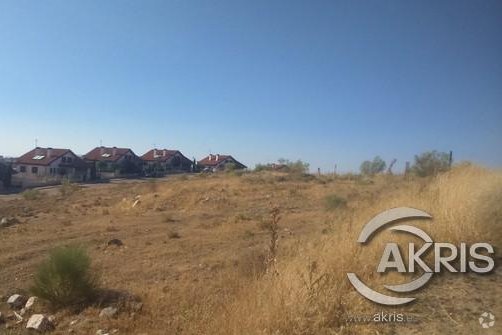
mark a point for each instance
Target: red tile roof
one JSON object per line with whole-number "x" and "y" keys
{"x": 161, "y": 155}
{"x": 107, "y": 154}
{"x": 40, "y": 156}
{"x": 214, "y": 160}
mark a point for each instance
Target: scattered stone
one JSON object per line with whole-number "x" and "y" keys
{"x": 2, "y": 320}
{"x": 116, "y": 242}
{"x": 18, "y": 317}
{"x": 136, "y": 203}
{"x": 52, "y": 319}
{"x": 7, "y": 222}
{"x": 73, "y": 323}
{"x": 29, "y": 304}
{"x": 39, "y": 322}
{"x": 108, "y": 312}
{"x": 101, "y": 332}
{"x": 16, "y": 301}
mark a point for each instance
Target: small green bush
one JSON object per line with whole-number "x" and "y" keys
{"x": 32, "y": 194}
{"x": 65, "y": 278}
{"x": 67, "y": 187}
{"x": 334, "y": 201}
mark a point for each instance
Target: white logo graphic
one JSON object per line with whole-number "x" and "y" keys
{"x": 392, "y": 259}
{"x": 484, "y": 323}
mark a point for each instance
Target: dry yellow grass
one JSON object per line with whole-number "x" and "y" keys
{"x": 311, "y": 294}
{"x": 211, "y": 280}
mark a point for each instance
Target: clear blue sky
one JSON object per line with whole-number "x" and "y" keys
{"x": 325, "y": 81}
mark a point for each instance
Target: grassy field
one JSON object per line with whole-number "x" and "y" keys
{"x": 197, "y": 251}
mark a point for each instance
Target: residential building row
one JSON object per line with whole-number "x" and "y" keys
{"x": 46, "y": 166}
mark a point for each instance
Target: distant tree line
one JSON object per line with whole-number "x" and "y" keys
{"x": 429, "y": 163}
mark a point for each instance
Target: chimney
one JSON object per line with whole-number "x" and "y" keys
{"x": 49, "y": 152}
{"x": 154, "y": 153}
{"x": 114, "y": 152}
{"x": 37, "y": 151}
{"x": 210, "y": 157}
{"x": 101, "y": 150}
{"x": 164, "y": 152}
{"x": 217, "y": 157}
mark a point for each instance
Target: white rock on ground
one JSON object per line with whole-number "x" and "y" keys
{"x": 52, "y": 319}
{"x": 29, "y": 304}
{"x": 101, "y": 332}
{"x": 39, "y": 322}
{"x": 108, "y": 312}
{"x": 16, "y": 301}
{"x": 18, "y": 317}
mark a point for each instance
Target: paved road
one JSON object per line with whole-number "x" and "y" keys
{"x": 53, "y": 188}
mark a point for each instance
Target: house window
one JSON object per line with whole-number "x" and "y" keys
{"x": 66, "y": 159}
{"x": 53, "y": 171}
{"x": 22, "y": 168}
{"x": 34, "y": 169}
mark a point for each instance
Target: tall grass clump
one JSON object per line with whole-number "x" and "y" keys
{"x": 334, "y": 201}
{"x": 67, "y": 187}
{"x": 65, "y": 278}
{"x": 32, "y": 194}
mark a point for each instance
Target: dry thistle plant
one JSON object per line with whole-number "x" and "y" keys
{"x": 273, "y": 229}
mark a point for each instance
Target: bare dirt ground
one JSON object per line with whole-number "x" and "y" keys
{"x": 192, "y": 244}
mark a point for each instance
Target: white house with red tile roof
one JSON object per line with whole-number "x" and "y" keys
{"x": 111, "y": 162}
{"x": 157, "y": 162}
{"x": 47, "y": 166}
{"x": 219, "y": 162}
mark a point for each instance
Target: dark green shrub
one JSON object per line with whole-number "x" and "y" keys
{"x": 334, "y": 201}
{"x": 65, "y": 278}
{"x": 431, "y": 163}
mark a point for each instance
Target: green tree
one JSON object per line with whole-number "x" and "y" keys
{"x": 431, "y": 163}
{"x": 371, "y": 168}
